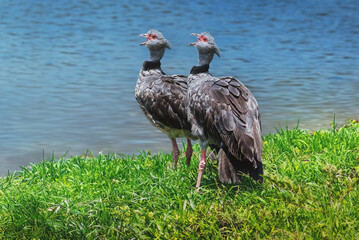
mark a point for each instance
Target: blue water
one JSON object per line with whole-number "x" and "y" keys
{"x": 68, "y": 68}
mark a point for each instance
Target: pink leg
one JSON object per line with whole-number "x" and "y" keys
{"x": 202, "y": 166}
{"x": 189, "y": 151}
{"x": 175, "y": 152}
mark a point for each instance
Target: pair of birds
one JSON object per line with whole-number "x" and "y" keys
{"x": 221, "y": 112}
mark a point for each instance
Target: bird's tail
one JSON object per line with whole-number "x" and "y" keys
{"x": 230, "y": 168}
{"x": 226, "y": 171}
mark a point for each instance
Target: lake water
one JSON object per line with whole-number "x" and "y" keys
{"x": 69, "y": 68}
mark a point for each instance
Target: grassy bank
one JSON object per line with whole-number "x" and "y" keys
{"x": 310, "y": 191}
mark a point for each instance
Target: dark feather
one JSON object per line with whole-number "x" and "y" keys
{"x": 226, "y": 171}
{"x": 228, "y": 121}
{"x": 234, "y": 82}
{"x": 234, "y": 91}
{"x": 224, "y": 109}
{"x": 218, "y": 94}
{"x": 221, "y": 83}
{"x": 161, "y": 98}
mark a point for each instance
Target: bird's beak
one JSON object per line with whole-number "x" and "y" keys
{"x": 194, "y": 43}
{"x": 143, "y": 35}
{"x": 217, "y": 51}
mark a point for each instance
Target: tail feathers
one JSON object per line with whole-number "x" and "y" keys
{"x": 226, "y": 172}
{"x": 230, "y": 168}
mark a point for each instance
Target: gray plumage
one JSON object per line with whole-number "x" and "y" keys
{"x": 161, "y": 96}
{"x": 223, "y": 112}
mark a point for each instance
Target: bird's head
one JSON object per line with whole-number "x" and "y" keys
{"x": 156, "y": 44}
{"x": 205, "y": 43}
{"x": 155, "y": 39}
{"x": 206, "y": 47}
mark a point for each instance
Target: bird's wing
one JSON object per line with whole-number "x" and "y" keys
{"x": 237, "y": 118}
{"x": 163, "y": 99}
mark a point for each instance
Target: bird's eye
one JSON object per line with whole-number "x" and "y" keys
{"x": 154, "y": 37}
{"x": 205, "y": 39}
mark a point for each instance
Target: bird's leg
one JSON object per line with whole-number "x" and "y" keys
{"x": 175, "y": 153}
{"x": 189, "y": 151}
{"x": 202, "y": 166}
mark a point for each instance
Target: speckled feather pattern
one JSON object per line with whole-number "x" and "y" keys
{"x": 161, "y": 98}
{"x": 223, "y": 110}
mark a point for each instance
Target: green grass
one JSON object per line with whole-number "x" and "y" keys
{"x": 310, "y": 192}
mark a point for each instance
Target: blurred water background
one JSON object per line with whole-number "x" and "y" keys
{"x": 69, "y": 68}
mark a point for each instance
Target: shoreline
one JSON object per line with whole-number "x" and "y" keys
{"x": 310, "y": 190}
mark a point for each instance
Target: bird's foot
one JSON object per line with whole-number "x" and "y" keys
{"x": 201, "y": 167}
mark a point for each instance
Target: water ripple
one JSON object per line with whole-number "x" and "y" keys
{"x": 69, "y": 68}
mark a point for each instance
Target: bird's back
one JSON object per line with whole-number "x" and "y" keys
{"x": 227, "y": 111}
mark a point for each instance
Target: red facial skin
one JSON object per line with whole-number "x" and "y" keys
{"x": 149, "y": 37}
{"x": 152, "y": 36}
{"x": 200, "y": 39}
{"x": 203, "y": 39}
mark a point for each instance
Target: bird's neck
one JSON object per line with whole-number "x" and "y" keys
{"x": 154, "y": 60}
{"x": 199, "y": 69}
{"x": 148, "y": 65}
{"x": 204, "y": 58}
{"x": 156, "y": 54}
